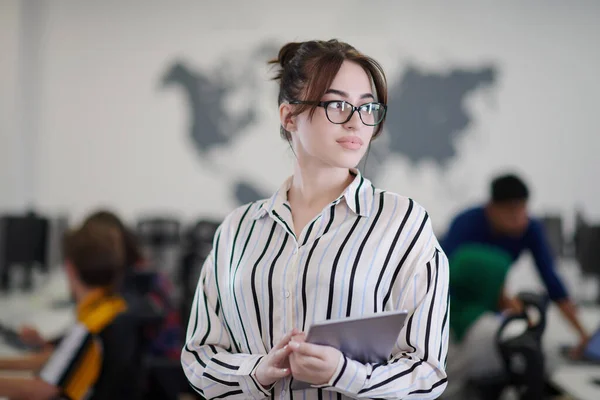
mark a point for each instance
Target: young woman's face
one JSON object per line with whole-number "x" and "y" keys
{"x": 319, "y": 140}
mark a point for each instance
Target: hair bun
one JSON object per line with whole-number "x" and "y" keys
{"x": 287, "y": 53}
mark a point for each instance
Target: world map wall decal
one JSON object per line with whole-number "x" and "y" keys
{"x": 427, "y": 111}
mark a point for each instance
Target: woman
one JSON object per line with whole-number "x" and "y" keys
{"x": 326, "y": 245}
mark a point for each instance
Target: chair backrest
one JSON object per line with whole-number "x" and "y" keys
{"x": 203, "y": 231}
{"x": 140, "y": 306}
{"x": 522, "y": 354}
{"x": 535, "y": 309}
{"x": 158, "y": 231}
{"x": 160, "y": 242}
{"x": 198, "y": 242}
{"x": 140, "y": 283}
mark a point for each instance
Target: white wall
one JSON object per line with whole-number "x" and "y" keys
{"x": 11, "y": 193}
{"x": 108, "y": 134}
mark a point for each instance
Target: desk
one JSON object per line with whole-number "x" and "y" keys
{"x": 14, "y": 374}
{"x": 559, "y": 332}
{"x": 575, "y": 380}
{"x": 578, "y": 381}
{"x": 36, "y": 308}
{"x": 7, "y": 351}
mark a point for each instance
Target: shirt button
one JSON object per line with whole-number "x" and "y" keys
{"x": 287, "y": 294}
{"x": 296, "y": 250}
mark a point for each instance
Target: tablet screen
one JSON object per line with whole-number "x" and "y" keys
{"x": 592, "y": 351}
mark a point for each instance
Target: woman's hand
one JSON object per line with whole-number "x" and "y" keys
{"x": 275, "y": 365}
{"x": 312, "y": 363}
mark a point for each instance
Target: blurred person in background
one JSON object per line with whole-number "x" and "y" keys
{"x": 482, "y": 243}
{"x": 166, "y": 340}
{"x": 95, "y": 359}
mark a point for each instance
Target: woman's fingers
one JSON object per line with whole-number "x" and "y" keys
{"x": 307, "y": 349}
{"x": 281, "y": 355}
{"x": 286, "y": 338}
{"x": 278, "y": 373}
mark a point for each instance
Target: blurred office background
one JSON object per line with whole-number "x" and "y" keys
{"x": 165, "y": 110}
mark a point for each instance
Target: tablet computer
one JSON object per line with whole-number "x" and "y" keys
{"x": 368, "y": 339}
{"x": 592, "y": 350}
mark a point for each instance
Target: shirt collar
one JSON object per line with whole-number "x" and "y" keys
{"x": 358, "y": 197}
{"x": 98, "y": 308}
{"x": 359, "y": 194}
{"x": 90, "y": 301}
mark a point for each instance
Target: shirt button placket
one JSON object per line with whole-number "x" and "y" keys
{"x": 288, "y": 290}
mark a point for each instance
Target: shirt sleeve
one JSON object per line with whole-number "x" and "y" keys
{"x": 459, "y": 233}
{"x": 544, "y": 261}
{"x": 211, "y": 367}
{"x": 417, "y": 368}
{"x": 75, "y": 365}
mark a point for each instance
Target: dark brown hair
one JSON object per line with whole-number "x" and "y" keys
{"x": 133, "y": 254}
{"x": 307, "y": 70}
{"x": 96, "y": 252}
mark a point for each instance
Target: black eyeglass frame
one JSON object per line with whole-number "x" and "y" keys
{"x": 325, "y": 105}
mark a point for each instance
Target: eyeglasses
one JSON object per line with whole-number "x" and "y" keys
{"x": 340, "y": 112}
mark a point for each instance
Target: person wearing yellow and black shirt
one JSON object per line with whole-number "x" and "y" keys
{"x": 95, "y": 359}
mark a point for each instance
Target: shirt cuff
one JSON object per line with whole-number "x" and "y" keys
{"x": 265, "y": 391}
{"x": 349, "y": 376}
{"x": 247, "y": 380}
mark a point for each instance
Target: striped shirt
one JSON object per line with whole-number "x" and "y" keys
{"x": 368, "y": 251}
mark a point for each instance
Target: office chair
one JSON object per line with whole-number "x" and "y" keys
{"x": 143, "y": 316}
{"x": 160, "y": 378}
{"x": 196, "y": 246}
{"x": 522, "y": 355}
{"x": 158, "y": 231}
{"x": 160, "y": 238}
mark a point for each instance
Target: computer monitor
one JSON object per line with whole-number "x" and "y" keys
{"x": 23, "y": 242}
{"x": 587, "y": 249}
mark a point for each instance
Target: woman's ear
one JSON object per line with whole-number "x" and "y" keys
{"x": 288, "y": 120}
